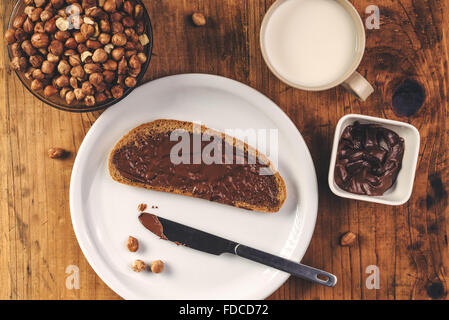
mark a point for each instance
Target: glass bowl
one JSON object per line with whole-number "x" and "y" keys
{"x": 59, "y": 103}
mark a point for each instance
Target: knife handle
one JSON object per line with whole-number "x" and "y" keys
{"x": 296, "y": 269}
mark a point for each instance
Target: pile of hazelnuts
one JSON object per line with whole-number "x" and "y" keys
{"x": 87, "y": 51}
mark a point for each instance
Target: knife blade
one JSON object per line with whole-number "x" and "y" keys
{"x": 203, "y": 241}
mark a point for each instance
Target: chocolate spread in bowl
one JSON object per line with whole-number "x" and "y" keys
{"x": 369, "y": 159}
{"x": 147, "y": 160}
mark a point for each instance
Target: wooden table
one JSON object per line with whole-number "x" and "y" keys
{"x": 408, "y": 243}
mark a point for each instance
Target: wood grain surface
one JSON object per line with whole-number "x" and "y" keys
{"x": 408, "y": 243}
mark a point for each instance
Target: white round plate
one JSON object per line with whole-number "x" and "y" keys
{"x": 104, "y": 212}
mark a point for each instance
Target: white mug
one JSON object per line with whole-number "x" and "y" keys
{"x": 275, "y": 28}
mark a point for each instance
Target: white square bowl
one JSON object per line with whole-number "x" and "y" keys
{"x": 401, "y": 190}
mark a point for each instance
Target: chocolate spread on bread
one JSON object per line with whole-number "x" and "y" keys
{"x": 369, "y": 159}
{"x": 147, "y": 160}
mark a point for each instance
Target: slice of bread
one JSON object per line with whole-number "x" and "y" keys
{"x": 163, "y": 126}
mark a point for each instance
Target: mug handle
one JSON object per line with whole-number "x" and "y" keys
{"x": 358, "y": 86}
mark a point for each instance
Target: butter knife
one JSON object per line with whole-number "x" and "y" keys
{"x": 206, "y": 242}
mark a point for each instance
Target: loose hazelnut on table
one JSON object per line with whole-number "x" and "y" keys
{"x": 157, "y": 266}
{"x": 57, "y": 153}
{"x": 348, "y": 239}
{"x": 138, "y": 266}
{"x": 132, "y": 244}
{"x": 198, "y": 19}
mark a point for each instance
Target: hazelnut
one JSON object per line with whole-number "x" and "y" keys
{"x": 19, "y": 63}
{"x": 28, "y": 26}
{"x": 36, "y": 85}
{"x": 40, "y": 40}
{"x": 134, "y": 72}
{"x": 82, "y": 48}
{"x": 28, "y": 10}
{"x": 62, "y": 81}
{"x": 79, "y": 37}
{"x": 109, "y": 76}
{"x": 10, "y": 36}
{"x": 40, "y": 3}
{"x": 71, "y": 43}
{"x": 46, "y": 15}
{"x": 95, "y": 12}
{"x": 92, "y": 44}
{"x": 100, "y": 97}
{"x": 57, "y": 3}
{"x": 38, "y": 74}
{"x": 348, "y": 239}
{"x": 96, "y": 78}
{"x": 87, "y": 88}
{"x": 138, "y": 265}
{"x": 119, "y": 39}
{"x": 140, "y": 27}
{"x": 118, "y": 53}
{"x": 79, "y": 94}
{"x": 89, "y": 101}
{"x": 128, "y": 7}
{"x": 128, "y": 22}
{"x": 36, "y": 14}
{"x": 78, "y": 72}
{"x": 117, "y": 27}
{"x": 62, "y": 24}
{"x": 16, "y": 50}
{"x": 157, "y": 266}
{"x": 132, "y": 244}
{"x": 90, "y": 68}
{"x": 50, "y": 91}
{"x": 52, "y": 58}
{"x": 48, "y": 67}
{"x": 100, "y": 56}
{"x": 110, "y": 6}
{"x": 62, "y": 35}
{"x": 29, "y": 73}
{"x": 20, "y": 35}
{"x": 57, "y": 153}
{"x": 73, "y": 82}
{"x": 138, "y": 11}
{"x": 105, "y": 26}
{"x": 39, "y": 28}
{"x": 117, "y": 92}
{"x": 199, "y": 19}
{"x": 142, "y": 57}
{"x": 75, "y": 60}
{"x": 19, "y": 20}
{"x": 56, "y": 47}
{"x": 28, "y": 48}
{"x": 63, "y": 92}
{"x": 110, "y": 65}
{"x": 134, "y": 62}
{"x": 104, "y": 38}
{"x": 50, "y": 26}
{"x": 70, "y": 97}
{"x": 64, "y": 67}
{"x": 87, "y": 30}
{"x": 130, "y": 82}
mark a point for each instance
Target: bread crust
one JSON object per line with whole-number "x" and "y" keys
{"x": 168, "y": 125}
